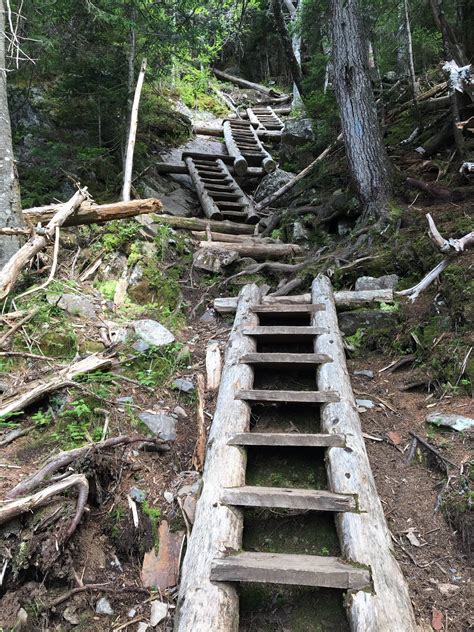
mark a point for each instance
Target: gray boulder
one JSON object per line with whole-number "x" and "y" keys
{"x": 74, "y": 305}
{"x": 183, "y": 385}
{"x": 160, "y": 424}
{"x": 271, "y": 183}
{"x": 152, "y": 332}
{"x": 297, "y": 132}
{"x": 350, "y": 322}
{"x": 386, "y": 282}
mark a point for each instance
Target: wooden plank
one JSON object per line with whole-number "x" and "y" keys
{"x": 280, "y": 330}
{"x": 199, "y": 223}
{"x": 287, "y": 309}
{"x": 299, "y": 570}
{"x": 286, "y": 498}
{"x": 306, "y": 397}
{"x": 285, "y": 358}
{"x": 289, "y": 439}
{"x": 364, "y": 536}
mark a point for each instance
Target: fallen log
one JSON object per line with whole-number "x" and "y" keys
{"x": 431, "y": 188}
{"x": 196, "y": 223}
{"x": 36, "y": 389}
{"x": 344, "y": 298}
{"x": 215, "y": 236}
{"x": 243, "y": 83}
{"x": 270, "y": 199}
{"x": 13, "y": 267}
{"x": 364, "y": 535}
{"x": 88, "y": 213}
{"x": 255, "y": 249}
{"x": 14, "y": 508}
{"x": 202, "y": 604}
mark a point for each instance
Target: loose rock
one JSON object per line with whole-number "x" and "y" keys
{"x": 159, "y": 611}
{"x": 152, "y": 332}
{"x": 180, "y": 412}
{"x": 137, "y": 495}
{"x": 103, "y": 606}
{"x": 387, "y": 282}
{"x": 74, "y": 305}
{"x": 364, "y": 373}
{"x": 183, "y": 385}
{"x": 160, "y": 424}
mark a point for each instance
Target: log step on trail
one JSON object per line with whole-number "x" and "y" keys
{"x": 284, "y": 498}
{"x": 260, "y": 437}
{"x": 294, "y": 439}
{"x": 299, "y": 570}
{"x": 215, "y": 187}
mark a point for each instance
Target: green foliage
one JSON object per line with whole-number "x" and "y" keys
{"x": 356, "y": 340}
{"x": 156, "y": 366}
{"x": 120, "y": 234}
{"x": 42, "y": 419}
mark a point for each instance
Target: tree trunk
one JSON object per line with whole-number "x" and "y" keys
{"x": 366, "y": 155}
{"x": 287, "y": 44}
{"x": 10, "y": 207}
{"x": 127, "y": 178}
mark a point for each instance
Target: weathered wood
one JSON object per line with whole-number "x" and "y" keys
{"x": 195, "y": 223}
{"x": 132, "y": 133}
{"x": 299, "y": 570}
{"x": 344, "y": 298}
{"x": 287, "y": 309}
{"x": 285, "y": 358}
{"x": 232, "y": 239}
{"x": 88, "y": 213}
{"x": 34, "y": 390}
{"x": 364, "y": 536}
{"x": 284, "y": 498}
{"x": 12, "y": 269}
{"x": 243, "y": 83}
{"x": 203, "y": 605}
{"x": 255, "y": 249}
{"x": 240, "y": 163}
{"x": 293, "y": 439}
{"x": 248, "y": 206}
{"x": 306, "y": 397}
{"x": 209, "y": 206}
{"x": 213, "y": 366}
{"x": 284, "y": 330}
{"x": 253, "y": 118}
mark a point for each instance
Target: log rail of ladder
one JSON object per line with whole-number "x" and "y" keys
{"x": 377, "y": 594}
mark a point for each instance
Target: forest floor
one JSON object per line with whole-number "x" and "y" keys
{"x": 61, "y": 588}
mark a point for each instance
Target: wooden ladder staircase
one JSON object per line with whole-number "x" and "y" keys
{"x": 220, "y": 195}
{"x": 377, "y": 593}
{"x": 243, "y": 144}
{"x": 265, "y": 118}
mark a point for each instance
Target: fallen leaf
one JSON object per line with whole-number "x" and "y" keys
{"x": 437, "y": 619}
{"x": 394, "y": 437}
{"x": 161, "y": 571}
{"x": 412, "y": 539}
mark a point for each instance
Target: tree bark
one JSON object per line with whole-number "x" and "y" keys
{"x": 366, "y": 154}
{"x": 10, "y": 207}
{"x": 287, "y": 44}
{"x": 127, "y": 178}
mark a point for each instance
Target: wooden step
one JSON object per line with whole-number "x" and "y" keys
{"x": 237, "y": 214}
{"x": 310, "y": 308}
{"x": 223, "y": 195}
{"x": 283, "y": 330}
{"x": 285, "y": 358}
{"x": 305, "y": 397}
{"x": 285, "y": 498}
{"x": 290, "y": 439}
{"x": 226, "y": 205}
{"x": 296, "y": 570}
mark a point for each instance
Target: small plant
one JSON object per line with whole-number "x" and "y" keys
{"x": 356, "y": 340}
{"x": 42, "y": 419}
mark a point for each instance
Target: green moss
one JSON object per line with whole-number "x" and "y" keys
{"x": 106, "y": 288}
{"x": 267, "y": 607}
{"x": 286, "y": 467}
